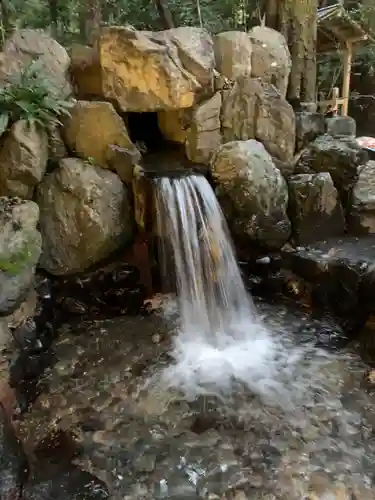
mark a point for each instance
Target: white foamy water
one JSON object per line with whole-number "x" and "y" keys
{"x": 221, "y": 340}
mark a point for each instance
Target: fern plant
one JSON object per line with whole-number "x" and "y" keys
{"x": 31, "y": 97}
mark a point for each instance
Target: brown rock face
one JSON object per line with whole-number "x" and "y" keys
{"x": 85, "y": 215}
{"x": 203, "y": 137}
{"x": 23, "y": 160}
{"x": 92, "y": 128}
{"x": 166, "y": 70}
{"x": 86, "y": 72}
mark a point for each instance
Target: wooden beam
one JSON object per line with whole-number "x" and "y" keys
{"x": 346, "y": 77}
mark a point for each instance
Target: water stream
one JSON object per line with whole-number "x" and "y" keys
{"x": 221, "y": 398}
{"x": 222, "y": 345}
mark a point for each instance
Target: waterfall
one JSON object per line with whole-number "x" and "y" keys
{"x": 220, "y": 339}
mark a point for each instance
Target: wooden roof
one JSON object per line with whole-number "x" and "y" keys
{"x": 335, "y": 26}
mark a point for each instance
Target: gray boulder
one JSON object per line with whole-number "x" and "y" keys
{"x": 254, "y": 109}
{"x": 361, "y": 219}
{"x": 23, "y": 160}
{"x": 253, "y": 192}
{"x": 341, "y": 158}
{"x": 308, "y": 127}
{"x": 314, "y": 208}
{"x": 84, "y": 216}
{"x": 20, "y": 248}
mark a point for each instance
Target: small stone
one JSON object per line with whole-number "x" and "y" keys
{"x": 145, "y": 462}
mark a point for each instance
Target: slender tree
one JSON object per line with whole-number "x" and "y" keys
{"x": 91, "y": 12}
{"x": 165, "y": 14}
{"x": 54, "y": 15}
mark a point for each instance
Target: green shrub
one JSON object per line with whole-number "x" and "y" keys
{"x": 32, "y": 97}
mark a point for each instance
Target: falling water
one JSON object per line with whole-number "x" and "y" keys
{"x": 257, "y": 375}
{"x": 221, "y": 340}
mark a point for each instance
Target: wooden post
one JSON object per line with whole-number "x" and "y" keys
{"x": 346, "y": 77}
{"x": 335, "y": 97}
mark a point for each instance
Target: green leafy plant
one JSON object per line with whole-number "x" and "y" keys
{"x": 32, "y": 97}
{"x": 18, "y": 261}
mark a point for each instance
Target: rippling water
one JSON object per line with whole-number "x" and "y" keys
{"x": 216, "y": 398}
{"x": 151, "y": 441}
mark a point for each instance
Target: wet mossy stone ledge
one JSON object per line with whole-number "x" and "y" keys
{"x": 20, "y": 249}
{"x": 341, "y": 272}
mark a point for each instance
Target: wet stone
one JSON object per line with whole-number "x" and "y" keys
{"x": 314, "y": 208}
{"x": 13, "y": 462}
{"x": 113, "y": 290}
{"x": 70, "y": 484}
{"x": 340, "y": 272}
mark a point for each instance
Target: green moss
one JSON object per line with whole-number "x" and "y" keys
{"x": 18, "y": 261}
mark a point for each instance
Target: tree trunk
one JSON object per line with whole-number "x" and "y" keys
{"x": 296, "y": 20}
{"x": 54, "y": 17}
{"x": 271, "y": 13}
{"x": 91, "y": 19}
{"x": 6, "y": 25}
{"x": 165, "y": 14}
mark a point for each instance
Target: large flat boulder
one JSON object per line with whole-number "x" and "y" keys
{"x": 84, "y": 216}
{"x": 154, "y": 71}
{"x": 341, "y": 272}
{"x": 253, "y": 192}
{"x": 253, "y": 109}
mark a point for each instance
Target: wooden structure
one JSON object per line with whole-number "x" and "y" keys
{"x": 337, "y": 31}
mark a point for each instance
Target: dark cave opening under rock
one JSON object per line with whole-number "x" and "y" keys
{"x": 145, "y": 133}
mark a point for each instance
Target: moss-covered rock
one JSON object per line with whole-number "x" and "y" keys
{"x": 20, "y": 248}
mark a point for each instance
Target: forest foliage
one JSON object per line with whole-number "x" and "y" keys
{"x": 69, "y": 21}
